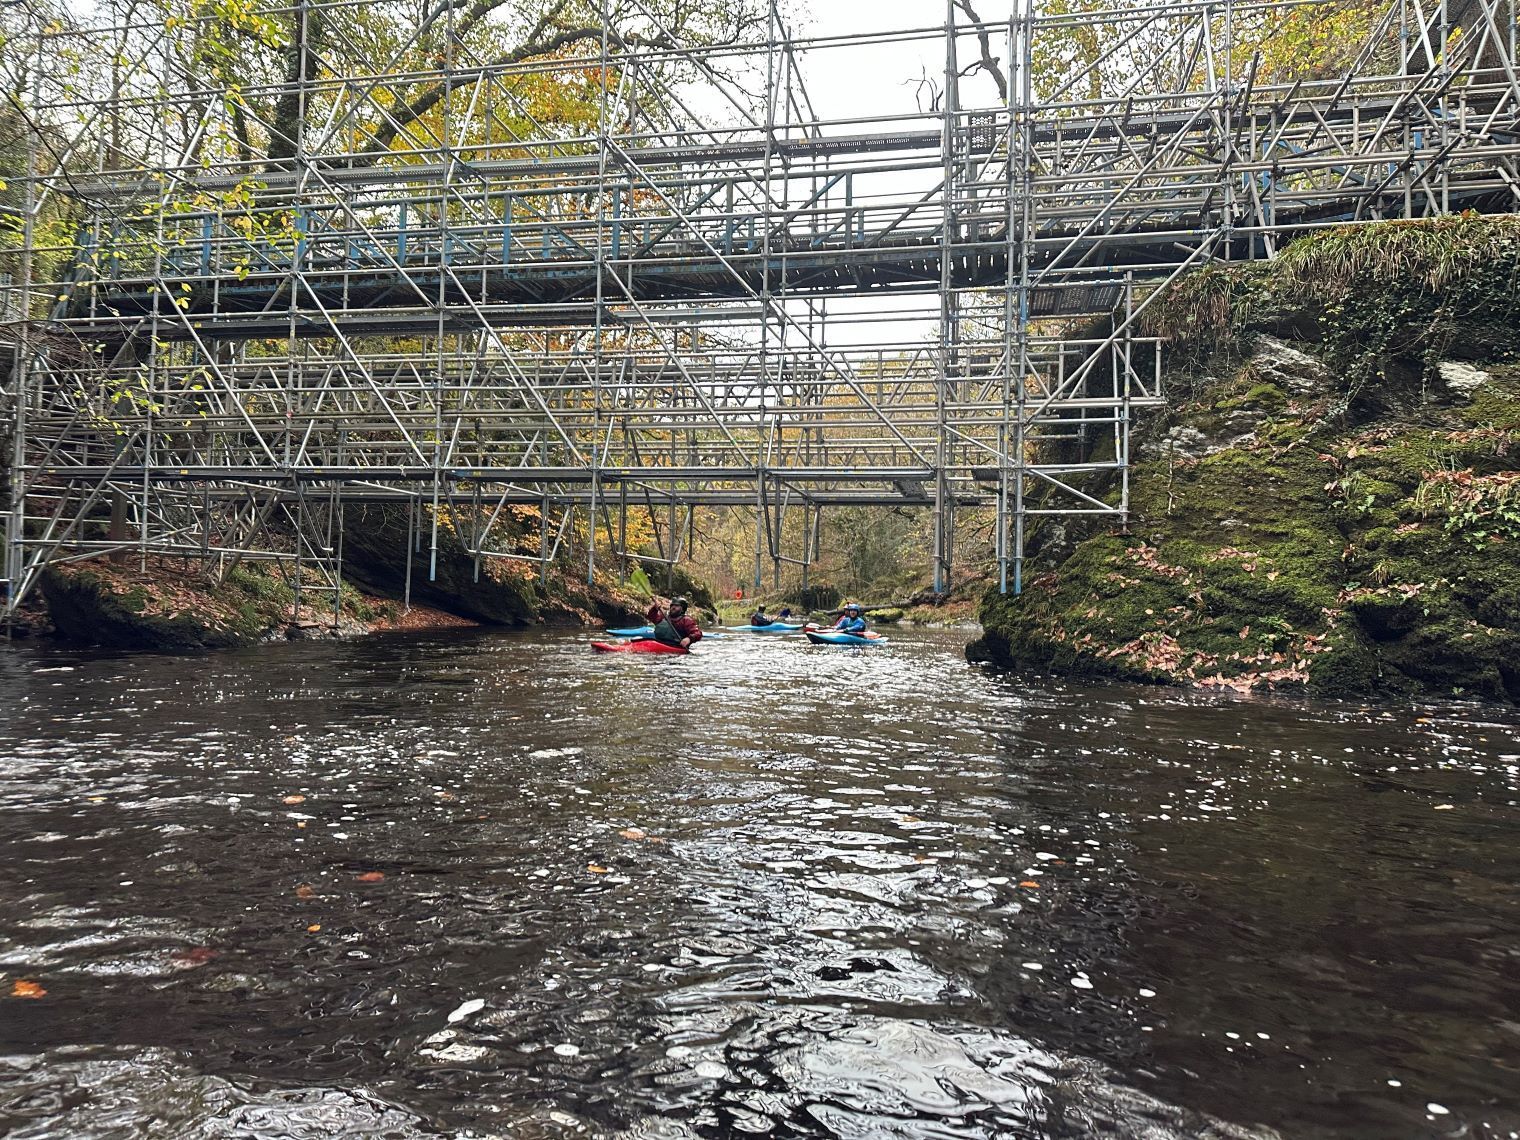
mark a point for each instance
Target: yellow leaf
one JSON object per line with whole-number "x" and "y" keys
{"x": 596, "y": 869}
{"x": 25, "y": 989}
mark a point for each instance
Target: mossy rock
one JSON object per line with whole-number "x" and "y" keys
{"x": 84, "y": 606}
{"x": 500, "y": 592}
{"x": 1343, "y": 547}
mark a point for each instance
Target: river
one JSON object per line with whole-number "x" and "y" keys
{"x": 493, "y": 885}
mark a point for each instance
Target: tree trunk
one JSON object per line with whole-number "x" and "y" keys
{"x": 288, "y": 122}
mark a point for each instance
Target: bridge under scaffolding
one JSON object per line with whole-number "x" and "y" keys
{"x": 365, "y": 272}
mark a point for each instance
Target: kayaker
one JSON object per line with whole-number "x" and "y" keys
{"x": 759, "y": 617}
{"x": 851, "y": 621}
{"x": 672, "y": 626}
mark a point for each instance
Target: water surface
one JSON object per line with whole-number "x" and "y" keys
{"x": 767, "y": 890}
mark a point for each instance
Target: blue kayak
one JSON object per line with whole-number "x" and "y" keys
{"x": 828, "y": 637}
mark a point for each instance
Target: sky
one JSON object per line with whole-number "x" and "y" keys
{"x": 883, "y": 80}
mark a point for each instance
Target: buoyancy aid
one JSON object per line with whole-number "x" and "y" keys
{"x": 666, "y": 633}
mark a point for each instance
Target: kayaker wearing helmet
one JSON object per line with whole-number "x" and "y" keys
{"x": 673, "y": 627}
{"x": 851, "y": 621}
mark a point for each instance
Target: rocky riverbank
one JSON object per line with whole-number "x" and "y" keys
{"x": 171, "y": 605}
{"x": 1332, "y": 503}
{"x": 185, "y": 604}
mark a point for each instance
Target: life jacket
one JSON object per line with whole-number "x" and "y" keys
{"x": 666, "y": 633}
{"x": 761, "y": 619}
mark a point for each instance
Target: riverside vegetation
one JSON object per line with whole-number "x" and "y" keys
{"x": 1331, "y": 502}
{"x": 175, "y": 604}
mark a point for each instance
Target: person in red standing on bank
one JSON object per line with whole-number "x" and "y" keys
{"x": 672, "y": 626}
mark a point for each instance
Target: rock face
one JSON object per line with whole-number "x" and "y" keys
{"x": 171, "y": 606}
{"x": 504, "y": 592}
{"x": 1462, "y": 379}
{"x": 1340, "y": 515}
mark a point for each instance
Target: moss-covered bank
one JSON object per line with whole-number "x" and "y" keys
{"x": 1333, "y": 502}
{"x": 174, "y": 604}
{"x": 497, "y": 591}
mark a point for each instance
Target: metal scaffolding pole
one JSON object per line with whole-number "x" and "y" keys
{"x": 389, "y": 281}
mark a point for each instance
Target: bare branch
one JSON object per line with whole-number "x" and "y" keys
{"x": 539, "y": 43}
{"x": 989, "y": 62}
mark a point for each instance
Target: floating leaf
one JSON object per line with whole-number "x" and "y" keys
{"x": 1031, "y": 884}
{"x": 371, "y": 877}
{"x": 474, "y": 1005}
{"x": 634, "y": 833}
{"x": 297, "y": 798}
{"x": 596, "y": 869}
{"x": 22, "y": 988}
{"x": 313, "y": 928}
{"x": 306, "y": 892}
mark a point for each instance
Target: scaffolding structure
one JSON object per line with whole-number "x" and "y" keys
{"x": 367, "y": 280}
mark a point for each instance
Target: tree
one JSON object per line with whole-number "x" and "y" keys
{"x": 1093, "y": 50}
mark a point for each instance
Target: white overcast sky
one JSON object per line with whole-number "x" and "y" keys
{"x": 881, "y": 80}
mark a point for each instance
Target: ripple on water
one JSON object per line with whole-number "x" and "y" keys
{"x": 527, "y": 891}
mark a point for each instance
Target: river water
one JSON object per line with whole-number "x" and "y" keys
{"x": 766, "y": 890}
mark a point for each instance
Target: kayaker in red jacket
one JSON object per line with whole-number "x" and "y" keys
{"x": 674, "y": 627}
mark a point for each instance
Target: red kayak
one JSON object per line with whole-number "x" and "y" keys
{"x": 636, "y": 647}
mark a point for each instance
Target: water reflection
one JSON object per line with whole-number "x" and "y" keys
{"x": 494, "y": 885}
